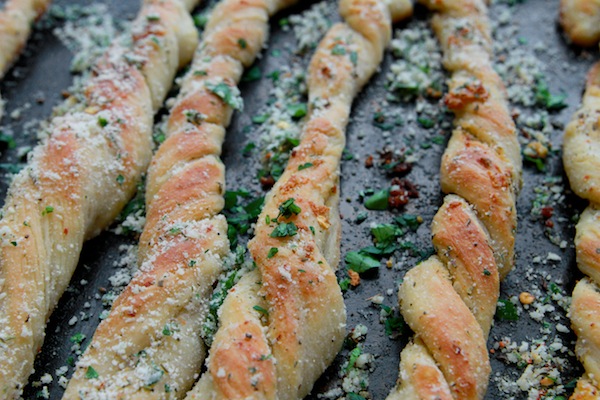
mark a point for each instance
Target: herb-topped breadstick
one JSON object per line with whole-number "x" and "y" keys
{"x": 283, "y": 323}
{"x": 80, "y": 178}
{"x": 450, "y": 299}
{"x": 150, "y": 345}
{"x": 581, "y": 157}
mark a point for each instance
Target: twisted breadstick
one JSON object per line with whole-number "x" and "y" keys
{"x": 16, "y": 19}
{"x": 449, "y": 300}
{"x": 581, "y": 158}
{"x": 283, "y": 323}
{"x": 79, "y": 179}
{"x": 150, "y": 344}
{"x": 581, "y": 21}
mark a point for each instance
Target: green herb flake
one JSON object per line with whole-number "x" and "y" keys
{"x": 91, "y": 373}
{"x": 272, "y": 252}
{"x": 354, "y": 57}
{"x": 304, "y": 166}
{"x": 102, "y": 121}
{"x": 77, "y": 338}
{"x": 544, "y": 98}
{"x": 506, "y": 311}
{"x": 242, "y": 43}
{"x": 289, "y": 207}
{"x": 345, "y": 284}
{"x": 338, "y": 50}
{"x": 9, "y": 140}
{"x": 297, "y": 110}
{"x": 353, "y": 356}
{"x": 253, "y": 74}
{"x": 361, "y": 262}
{"x": 200, "y": 20}
{"x": 120, "y": 179}
{"x": 226, "y": 93}
{"x": 312, "y": 229}
{"x": 378, "y": 201}
{"x": 248, "y": 149}
{"x": 425, "y": 122}
{"x": 153, "y": 17}
{"x": 259, "y": 119}
{"x": 285, "y": 230}
{"x": 261, "y": 310}
{"x": 48, "y": 210}
{"x": 200, "y": 73}
{"x": 486, "y": 272}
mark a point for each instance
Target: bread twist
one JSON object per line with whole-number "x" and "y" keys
{"x": 581, "y": 158}
{"x": 155, "y": 323}
{"x": 16, "y": 20}
{"x": 283, "y": 323}
{"x": 79, "y": 179}
{"x": 581, "y": 21}
{"x": 449, "y": 300}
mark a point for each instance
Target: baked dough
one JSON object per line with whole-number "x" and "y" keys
{"x": 185, "y": 192}
{"x": 450, "y": 299}
{"x": 16, "y": 20}
{"x": 581, "y": 158}
{"x": 150, "y": 347}
{"x": 581, "y": 21}
{"x": 78, "y": 180}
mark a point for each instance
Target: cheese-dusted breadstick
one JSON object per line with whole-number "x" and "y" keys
{"x": 150, "y": 345}
{"x": 581, "y": 21}
{"x": 450, "y": 299}
{"x": 581, "y": 158}
{"x": 16, "y": 19}
{"x": 78, "y": 180}
{"x": 283, "y": 323}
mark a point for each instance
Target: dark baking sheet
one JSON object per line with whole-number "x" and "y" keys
{"x": 43, "y": 72}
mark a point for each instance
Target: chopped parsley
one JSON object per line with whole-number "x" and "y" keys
{"x": 253, "y": 74}
{"x": 272, "y": 252}
{"x": 228, "y": 94}
{"x": 297, "y": 110}
{"x": 506, "y": 311}
{"x": 338, "y": 50}
{"x": 261, "y": 310}
{"x": 361, "y": 262}
{"x": 304, "y": 166}
{"x": 91, "y": 373}
{"x": 102, "y": 121}
{"x": 284, "y": 229}
{"x": 544, "y": 98}
{"x": 288, "y": 208}
{"x": 242, "y": 43}
{"x": 378, "y": 201}
{"x": 48, "y": 210}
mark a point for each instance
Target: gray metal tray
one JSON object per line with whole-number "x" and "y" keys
{"x": 44, "y": 69}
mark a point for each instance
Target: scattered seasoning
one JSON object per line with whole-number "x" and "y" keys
{"x": 252, "y": 74}
{"x": 507, "y": 311}
{"x": 102, "y": 121}
{"x": 242, "y": 43}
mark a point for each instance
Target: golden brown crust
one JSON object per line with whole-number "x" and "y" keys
{"x": 449, "y": 300}
{"x": 581, "y": 21}
{"x": 76, "y": 183}
{"x": 184, "y": 243}
{"x": 16, "y": 19}
{"x": 581, "y": 158}
{"x": 305, "y": 323}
